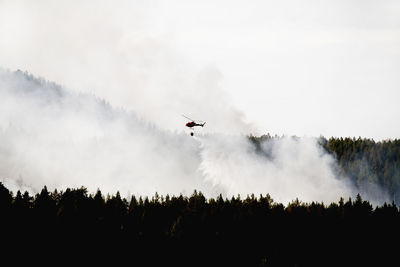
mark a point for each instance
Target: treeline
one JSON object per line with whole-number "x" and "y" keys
{"x": 182, "y": 230}
{"x": 365, "y": 162}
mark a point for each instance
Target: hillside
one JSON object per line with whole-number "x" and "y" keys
{"x": 79, "y": 173}
{"x": 55, "y": 137}
{"x": 367, "y": 163}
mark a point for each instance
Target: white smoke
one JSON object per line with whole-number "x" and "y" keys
{"x": 60, "y": 139}
{"x": 124, "y": 53}
{"x": 51, "y": 136}
{"x": 287, "y": 168}
{"x": 162, "y": 58}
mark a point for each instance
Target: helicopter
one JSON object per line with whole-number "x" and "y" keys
{"x": 193, "y": 123}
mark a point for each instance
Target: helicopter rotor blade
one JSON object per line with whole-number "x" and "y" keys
{"x": 187, "y": 117}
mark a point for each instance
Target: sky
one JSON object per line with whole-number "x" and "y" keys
{"x": 305, "y": 68}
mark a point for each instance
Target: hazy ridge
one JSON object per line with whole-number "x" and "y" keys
{"x": 54, "y": 137}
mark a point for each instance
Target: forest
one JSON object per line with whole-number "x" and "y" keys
{"x": 196, "y": 231}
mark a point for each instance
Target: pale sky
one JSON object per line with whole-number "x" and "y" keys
{"x": 285, "y": 67}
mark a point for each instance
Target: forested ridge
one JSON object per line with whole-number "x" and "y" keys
{"x": 365, "y": 160}
{"x": 367, "y": 163}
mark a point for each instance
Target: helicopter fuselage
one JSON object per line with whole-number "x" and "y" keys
{"x": 192, "y": 124}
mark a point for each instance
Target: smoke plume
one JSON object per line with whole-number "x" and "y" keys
{"x": 52, "y": 136}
